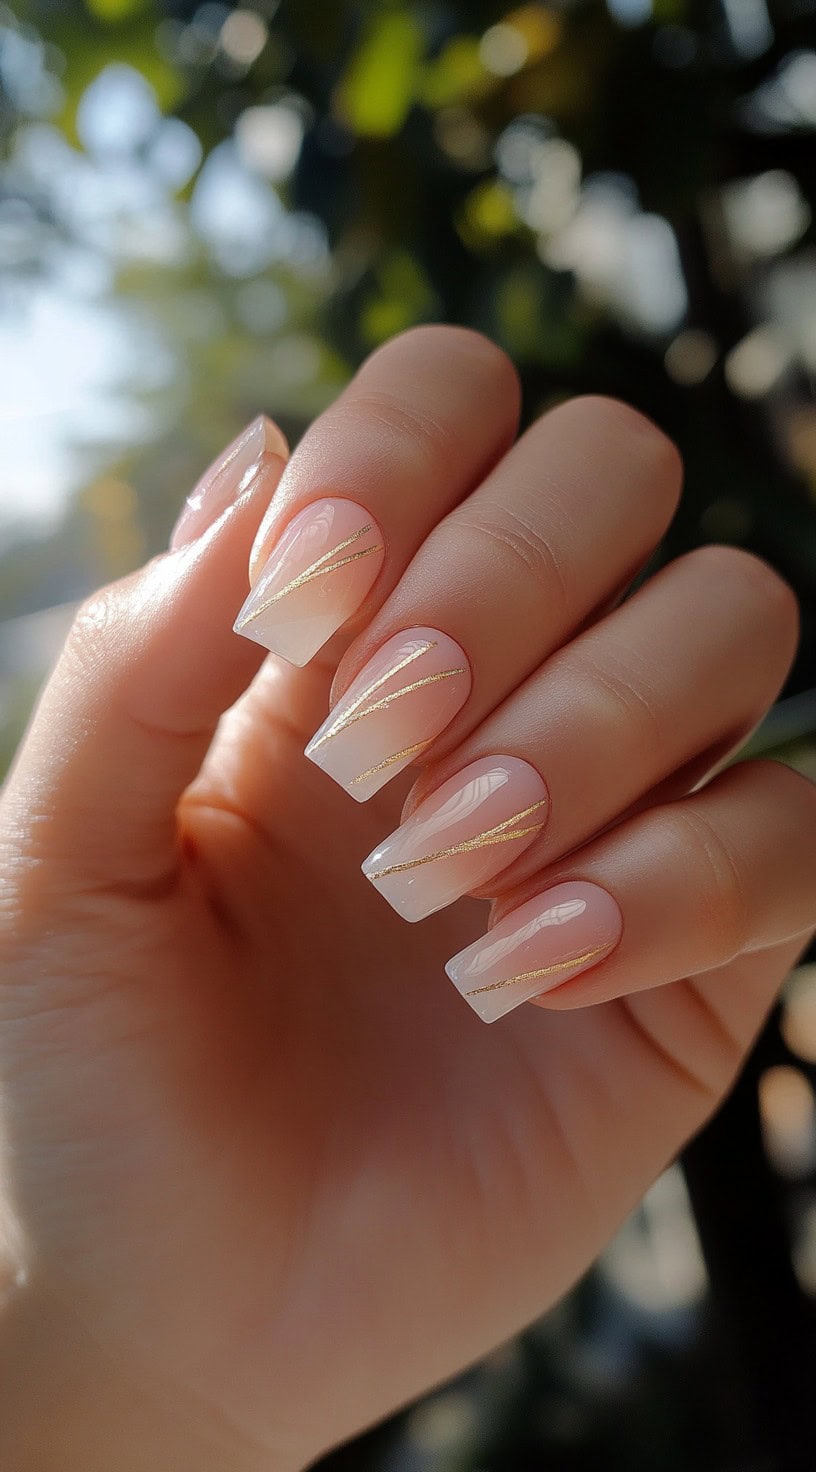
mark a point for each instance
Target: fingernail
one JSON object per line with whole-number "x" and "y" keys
{"x": 400, "y": 702}
{"x": 261, "y": 449}
{"x": 471, "y": 828}
{"x": 317, "y": 575}
{"x": 553, "y": 937}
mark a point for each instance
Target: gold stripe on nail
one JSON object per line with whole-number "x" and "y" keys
{"x": 490, "y": 836}
{"x": 318, "y": 569}
{"x": 345, "y": 717}
{"x": 398, "y": 694}
{"x": 390, "y": 760}
{"x": 495, "y": 986}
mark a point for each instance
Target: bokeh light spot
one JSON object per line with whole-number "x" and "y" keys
{"x": 757, "y": 363}
{"x": 243, "y": 36}
{"x": 788, "y": 1113}
{"x": 690, "y": 356}
{"x": 766, "y": 214}
{"x": 269, "y": 139}
{"x": 799, "y": 1014}
{"x": 503, "y": 50}
{"x": 118, "y": 112}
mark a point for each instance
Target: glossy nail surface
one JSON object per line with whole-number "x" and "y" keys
{"x": 553, "y": 937}
{"x": 400, "y": 702}
{"x": 316, "y": 577}
{"x": 260, "y": 450}
{"x": 471, "y": 828}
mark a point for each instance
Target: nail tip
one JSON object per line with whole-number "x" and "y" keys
{"x": 360, "y": 797}
{"x": 242, "y": 629}
{"x": 410, "y": 918}
{"x": 297, "y": 664}
{"x": 275, "y": 441}
{"x": 473, "y": 1009}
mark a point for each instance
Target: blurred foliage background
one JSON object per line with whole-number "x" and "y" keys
{"x": 207, "y": 210}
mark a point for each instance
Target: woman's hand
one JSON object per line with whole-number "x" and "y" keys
{"x": 269, "y": 1175}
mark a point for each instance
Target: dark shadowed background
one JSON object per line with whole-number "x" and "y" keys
{"x": 209, "y": 210}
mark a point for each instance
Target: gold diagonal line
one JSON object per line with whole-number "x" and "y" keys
{"x": 344, "y": 718}
{"x": 398, "y": 694}
{"x": 317, "y": 566}
{"x": 390, "y": 760}
{"x": 318, "y": 569}
{"x": 479, "y": 840}
{"x": 494, "y": 986}
{"x": 307, "y": 577}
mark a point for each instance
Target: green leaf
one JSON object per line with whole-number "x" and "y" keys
{"x": 113, "y": 10}
{"x": 404, "y": 298}
{"x": 489, "y": 214}
{"x": 456, "y": 75}
{"x": 380, "y": 85}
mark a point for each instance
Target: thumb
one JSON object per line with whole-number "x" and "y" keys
{"x": 123, "y": 724}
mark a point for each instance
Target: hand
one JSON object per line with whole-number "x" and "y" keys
{"x": 267, "y": 1170}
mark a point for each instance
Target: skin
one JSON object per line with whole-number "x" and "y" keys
{"x": 249, "y": 1127}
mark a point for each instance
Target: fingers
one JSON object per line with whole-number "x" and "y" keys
{"x": 424, "y": 419}
{"x": 674, "y": 892}
{"x": 130, "y": 710}
{"x": 507, "y": 576}
{"x": 703, "y": 1026}
{"x": 688, "y": 664}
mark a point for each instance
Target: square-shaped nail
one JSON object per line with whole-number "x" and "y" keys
{"x": 466, "y": 832}
{"x": 553, "y": 937}
{"x": 405, "y": 696}
{"x": 316, "y": 577}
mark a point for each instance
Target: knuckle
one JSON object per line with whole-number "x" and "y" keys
{"x": 737, "y": 563}
{"x": 89, "y": 635}
{"x": 109, "y": 630}
{"x": 785, "y": 784}
{"x": 625, "y": 419}
{"x": 622, "y": 425}
{"x": 488, "y": 367}
{"x": 526, "y": 548}
{"x": 488, "y": 358}
{"x": 756, "y": 608}
{"x": 446, "y": 340}
{"x": 722, "y": 908}
{"x": 619, "y": 701}
{"x": 432, "y": 439}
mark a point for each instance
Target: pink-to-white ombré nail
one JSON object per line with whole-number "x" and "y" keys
{"x": 316, "y": 577}
{"x": 407, "y": 694}
{"x": 553, "y": 937}
{"x": 259, "y": 453}
{"x": 466, "y": 832}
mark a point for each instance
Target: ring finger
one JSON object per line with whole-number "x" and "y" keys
{"x": 685, "y": 667}
{"x": 675, "y": 892}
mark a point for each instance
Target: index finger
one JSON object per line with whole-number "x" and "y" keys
{"x": 424, "y": 420}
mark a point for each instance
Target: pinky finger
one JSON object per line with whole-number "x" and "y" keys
{"x": 677, "y": 891}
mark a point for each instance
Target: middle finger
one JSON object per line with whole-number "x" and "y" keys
{"x": 567, "y": 516}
